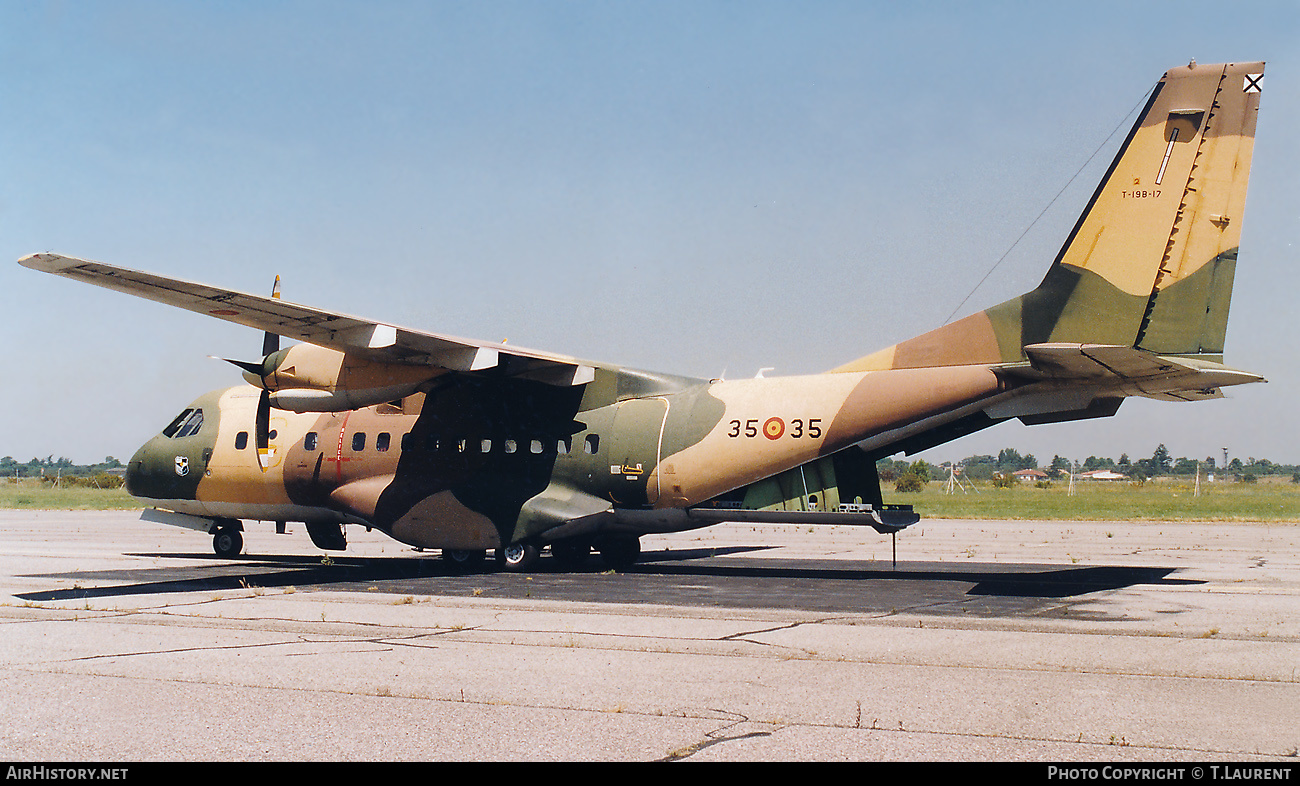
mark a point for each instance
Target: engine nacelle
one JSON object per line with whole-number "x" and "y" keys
{"x": 305, "y": 400}
{"x": 309, "y": 378}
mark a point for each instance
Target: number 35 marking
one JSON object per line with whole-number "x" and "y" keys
{"x": 774, "y": 428}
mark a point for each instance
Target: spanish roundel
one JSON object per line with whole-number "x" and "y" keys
{"x": 773, "y": 428}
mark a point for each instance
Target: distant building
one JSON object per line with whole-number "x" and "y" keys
{"x": 1101, "y": 474}
{"x": 1030, "y": 474}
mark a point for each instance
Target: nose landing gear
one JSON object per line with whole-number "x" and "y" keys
{"x": 227, "y": 541}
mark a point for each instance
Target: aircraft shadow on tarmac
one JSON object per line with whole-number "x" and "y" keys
{"x": 717, "y": 567}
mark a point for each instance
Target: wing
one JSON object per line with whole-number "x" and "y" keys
{"x": 377, "y": 341}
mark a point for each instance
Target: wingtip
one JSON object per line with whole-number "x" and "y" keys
{"x": 45, "y": 261}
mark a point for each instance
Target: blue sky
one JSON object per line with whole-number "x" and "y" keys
{"x": 704, "y": 188}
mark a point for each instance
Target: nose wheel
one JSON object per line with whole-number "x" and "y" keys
{"x": 227, "y": 542}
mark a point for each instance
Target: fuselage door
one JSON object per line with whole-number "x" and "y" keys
{"x": 634, "y": 450}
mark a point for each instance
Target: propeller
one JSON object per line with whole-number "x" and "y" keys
{"x": 252, "y": 371}
{"x": 262, "y": 424}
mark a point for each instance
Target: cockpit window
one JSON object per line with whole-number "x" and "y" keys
{"x": 175, "y": 425}
{"x": 190, "y": 426}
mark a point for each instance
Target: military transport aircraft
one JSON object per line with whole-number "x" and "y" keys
{"x": 470, "y": 446}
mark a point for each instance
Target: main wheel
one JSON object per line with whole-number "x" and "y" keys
{"x": 227, "y": 542}
{"x": 570, "y": 553}
{"x": 518, "y": 557}
{"x": 464, "y": 559}
{"x": 620, "y": 551}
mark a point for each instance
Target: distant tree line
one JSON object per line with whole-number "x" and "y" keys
{"x": 62, "y": 470}
{"x": 1009, "y": 460}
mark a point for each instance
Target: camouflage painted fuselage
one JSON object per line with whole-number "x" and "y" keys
{"x": 477, "y": 465}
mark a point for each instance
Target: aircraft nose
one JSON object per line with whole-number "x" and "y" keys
{"x": 135, "y": 477}
{"x": 143, "y": 478}
{"x": 171, "y": 465}
{"x": 165, "y": 469}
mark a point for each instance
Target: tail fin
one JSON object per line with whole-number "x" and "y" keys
{"x": 1150, "y": 262}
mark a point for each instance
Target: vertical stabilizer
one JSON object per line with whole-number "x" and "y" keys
{"x": 1150, "y": 262}
{"x": 1187, "y": 311}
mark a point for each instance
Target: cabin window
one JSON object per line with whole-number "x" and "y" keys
{"x": 535, "y": 446}
{"x": 564, "y": 445}
{"x": 406, "y": 440}
{"x": 592, "y": 444}
{"x": 241, "y": 440}
{"x": 511, "y": 447}
{"x": 359, "y": 441}
{"x": 309, "y": 441}
{"x": 485, "y": 446}
{"x": 382, "y": 441}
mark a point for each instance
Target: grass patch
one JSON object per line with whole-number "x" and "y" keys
{"x": 36, "y": 495}
{"x": 1162, "y": 499}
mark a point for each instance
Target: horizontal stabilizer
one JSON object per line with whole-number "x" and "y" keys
{"x": 885, "y": 519}
{"x": 1130, "y": 371}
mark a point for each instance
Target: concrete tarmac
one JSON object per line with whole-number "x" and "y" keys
{"x": 122, "y": 640}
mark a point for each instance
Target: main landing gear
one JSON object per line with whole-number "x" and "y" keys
{"x": 465, "y": 559}
{"x": 518, "y": 557}
{"x": 616, "y": 551}
{"x": 571, "y": 554}
{"x": 619, "y": 551}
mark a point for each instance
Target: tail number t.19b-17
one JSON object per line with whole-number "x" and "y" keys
{"x": 469, "y": 446}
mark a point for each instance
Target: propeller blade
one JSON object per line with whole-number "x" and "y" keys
{"x": 271, "y": 341}
{"x": 262, "y": 428}
{"x": 252, "y": 367}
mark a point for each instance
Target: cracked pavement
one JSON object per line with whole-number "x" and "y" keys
{"x": 127, "y": 641}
